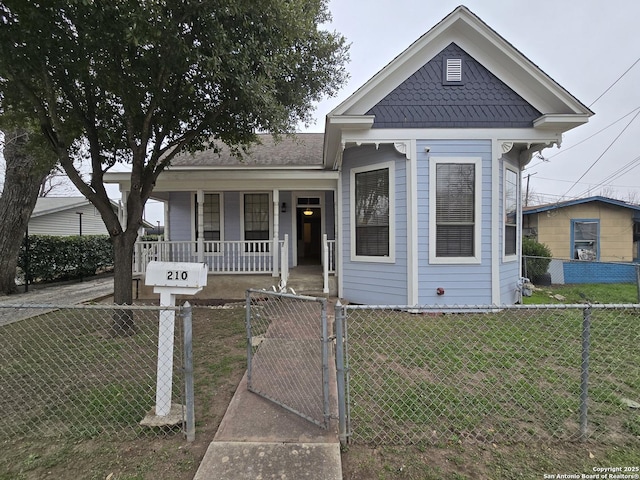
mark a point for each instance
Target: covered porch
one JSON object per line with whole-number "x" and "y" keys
{"x": 253, "y": 257}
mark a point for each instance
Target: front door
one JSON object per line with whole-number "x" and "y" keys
{"x": 309, "y": 231}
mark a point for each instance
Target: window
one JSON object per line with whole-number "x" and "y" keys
{"x": 211, "y": 219}
{"x": 454, "y": 216}
{"x": 372, "y": 192}
{"x": 256, "y": 216}
{"x": 510, "y": 212}
{"x": 584, "y": 239}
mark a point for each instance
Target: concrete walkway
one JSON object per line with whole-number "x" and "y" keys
{"x": 258, "y": 439}
{"x": 90, "y": 290}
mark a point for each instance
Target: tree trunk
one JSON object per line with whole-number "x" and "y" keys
{"x": 24, "y": 174}
{"x": 123, "y": 322}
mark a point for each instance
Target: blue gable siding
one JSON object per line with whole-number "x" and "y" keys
{"x": 481, "y": 100}
{"x": 468, "y": 284}
{"x": 375, "y": 283}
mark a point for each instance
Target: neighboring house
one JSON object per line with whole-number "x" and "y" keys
{"x": 62, "y": 216}
{"x": 593, "y": 229}
{"x": 412, "y": 194}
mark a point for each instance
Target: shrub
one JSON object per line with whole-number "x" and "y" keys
{"x": 536, "y": 257}
{"x": 64, "y": 258}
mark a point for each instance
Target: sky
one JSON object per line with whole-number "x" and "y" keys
{"x": 584, "y": 45}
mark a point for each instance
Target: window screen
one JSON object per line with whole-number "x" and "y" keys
{"x": 455, "y": 209}
{"x": 372, "y": 212}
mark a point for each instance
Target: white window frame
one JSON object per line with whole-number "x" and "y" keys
{"x": 391, "y": 258}
{"x": 512, "y": 256}
{"x": 270, "y": 203}
{"x": 477, "y": 233}
{"x": 194, "y": 227}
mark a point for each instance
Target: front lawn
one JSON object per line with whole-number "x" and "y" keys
{"x": 610, "y": 293}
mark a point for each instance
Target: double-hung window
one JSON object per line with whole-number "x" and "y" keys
{"x": 455, "y": 210}
{"x": 372, "y": 193}
{"x": 510, "y": 212}
{"x": 211, "y": 219}
{"x": 256, "y": 220}
{"x": 585, "y": 239}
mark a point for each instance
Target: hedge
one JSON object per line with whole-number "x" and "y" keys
{"x": 65, "y": 258}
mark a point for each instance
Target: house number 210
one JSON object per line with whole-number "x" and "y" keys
{"x": 177, "y": 275}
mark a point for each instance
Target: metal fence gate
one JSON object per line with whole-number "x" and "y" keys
{"x": 287, "y": 352}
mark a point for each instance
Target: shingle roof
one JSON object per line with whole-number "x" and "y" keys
{"x": 578, "y": 201}
{"x": 301, "y": 149}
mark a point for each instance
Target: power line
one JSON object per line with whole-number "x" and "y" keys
{"x": 603, "y": 153}
{"x": 584, "y": 140}
{"x": 611, "y": 86}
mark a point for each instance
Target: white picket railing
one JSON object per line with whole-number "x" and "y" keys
{"x": 328, "y": 260}
{"x": 254, "y": 256}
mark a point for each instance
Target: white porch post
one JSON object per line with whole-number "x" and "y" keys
{"x": 200, "y": 200}
{"x": 276, "y": 231}
{"x": 123, "y": 211}
{"x": 166, "y": 236}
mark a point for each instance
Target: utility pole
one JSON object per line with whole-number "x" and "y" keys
{"x": 526, "y": 195}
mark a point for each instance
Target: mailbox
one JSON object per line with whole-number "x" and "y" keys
{"x": 170, "y": 279}
{"x": 180, "y": 277}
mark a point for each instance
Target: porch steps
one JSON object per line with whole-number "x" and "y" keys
{"x": 307, "y": 280}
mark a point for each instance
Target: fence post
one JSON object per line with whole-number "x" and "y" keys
{"x": 638, "y": 279}
{"x": 249, "y": 346}
{"x": 584, "y": 377}
{"x": 340, "y": 372}
{"x": 326, "y": 410}
{"x": 187, "y": 322}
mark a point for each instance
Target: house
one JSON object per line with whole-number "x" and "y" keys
{"x": 62, "y": 216}
{"x": 412, "y": 194}
{"x": 584, "y": 233}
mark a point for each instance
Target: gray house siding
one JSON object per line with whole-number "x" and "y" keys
{"x": 375, "y": 282}
{"x": 463, "y": 284}
{"x": 481, "y": 100}
{"x": 180, "y": 216}
{"x": 67, "y": 222}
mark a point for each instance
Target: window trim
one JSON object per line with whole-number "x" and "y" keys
{"x": 513, "y": 256}
{"x": 194, "y": 225}
{"x": 477, "y": 232}
{"x": 242, "y": 223}
{"x": 573, "y": 240}
{"x": 391, "y": 258}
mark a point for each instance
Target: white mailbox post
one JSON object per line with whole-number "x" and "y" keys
{"x": 170, "y": 279}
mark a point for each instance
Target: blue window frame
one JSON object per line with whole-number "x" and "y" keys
{"x": 585, "y": 239}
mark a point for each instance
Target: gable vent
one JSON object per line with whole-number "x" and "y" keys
{"x": 454, "y": 70}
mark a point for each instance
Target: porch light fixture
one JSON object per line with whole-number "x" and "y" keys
{"x": 283, "y": 209}
{"x": 307, "y": 212}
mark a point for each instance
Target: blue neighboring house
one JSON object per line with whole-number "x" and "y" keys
{"x": 411, "y": 196}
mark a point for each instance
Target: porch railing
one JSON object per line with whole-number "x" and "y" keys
{"x": 255, "y": 256}
{"x": 328, "y": 260}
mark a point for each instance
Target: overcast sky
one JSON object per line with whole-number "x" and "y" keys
{"x": 584, "y": 45}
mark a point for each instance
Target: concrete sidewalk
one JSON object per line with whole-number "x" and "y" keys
{"x": 258, "y": 439}
{"x": 90, "y": 290}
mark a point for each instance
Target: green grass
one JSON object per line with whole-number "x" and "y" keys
{"x": 509, "y": 376}
{"x": 72, "y": 396}
{"x": 607, "y": 293}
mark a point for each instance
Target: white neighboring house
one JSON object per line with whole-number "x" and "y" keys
{"x": 64, "y": 216}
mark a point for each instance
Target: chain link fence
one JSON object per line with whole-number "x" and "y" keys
{"x": 288, "y": 351}
{"x": 91, "y": 370}
{"x": 488, "y": 374}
